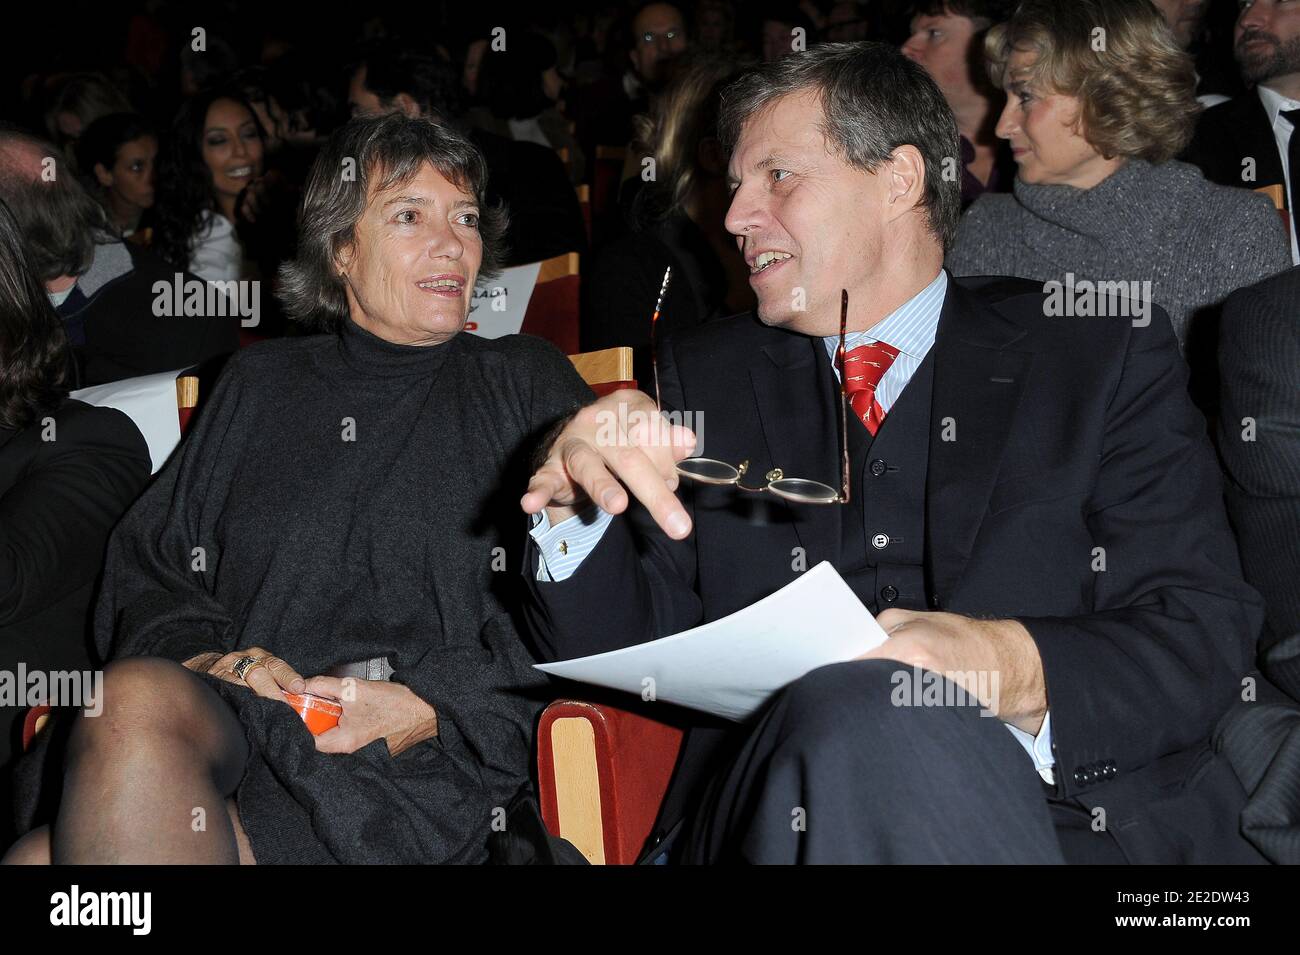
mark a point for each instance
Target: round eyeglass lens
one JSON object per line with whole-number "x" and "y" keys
{"x": 707, "y": 469}
{"x": 804, "y": 492}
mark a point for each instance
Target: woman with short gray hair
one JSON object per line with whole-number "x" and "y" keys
{"x": 341, "y": 523}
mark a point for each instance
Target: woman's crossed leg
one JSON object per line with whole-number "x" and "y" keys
{"x": 149, "y": 779}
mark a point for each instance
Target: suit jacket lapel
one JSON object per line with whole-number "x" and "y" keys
{"x": 978, "y": 381}
{"x": 798, "y": 418}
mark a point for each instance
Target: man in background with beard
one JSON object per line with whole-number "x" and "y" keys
{"x": 1249, "y": 141}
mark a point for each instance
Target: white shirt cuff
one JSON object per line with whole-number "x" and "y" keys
{"x": 1038, "y": 747}
{"x": 563, "y": 548}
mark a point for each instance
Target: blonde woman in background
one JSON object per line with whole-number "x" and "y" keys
{"x": 1098, "y": 194}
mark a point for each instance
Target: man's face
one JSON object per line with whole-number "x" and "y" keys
{"x": 942, "y": 45}
{"x": 362, "y": 100}
{"x": 658, "y": 33}
{"x": 824, "y": 218}
{"x": 1268, "y": 39}
{"x": 1184, "y": 18}
{"x": 411, "y": 269}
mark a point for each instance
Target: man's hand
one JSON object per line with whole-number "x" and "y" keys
{"x": 265, "y": 679}
{"x": 621, "y": 437}
{"x": 961, "y": 648}
{"x": 374, "y": 709}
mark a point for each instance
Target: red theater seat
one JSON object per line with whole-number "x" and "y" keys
{"x": 603, "y": 770}
{"x": 602, "y": 773}
{"x": 553, "y": 308}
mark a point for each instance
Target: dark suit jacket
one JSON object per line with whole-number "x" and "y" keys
{"x": 1259, "y": 353}
{"x": 1069, "y": 435}
{"x": 1229, "y": 134}
{"x": 125, "y": 338}
{"x": 1259, "y": 362}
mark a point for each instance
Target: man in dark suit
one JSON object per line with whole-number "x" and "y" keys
{"x": 1033, "y": 499}
{"x": 1259, "y": 442}
{"x": 1248, "y": 140}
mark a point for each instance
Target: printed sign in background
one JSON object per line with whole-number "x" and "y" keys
{"x": 499, "y": 305}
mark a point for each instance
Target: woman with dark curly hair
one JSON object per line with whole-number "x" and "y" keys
{"x": 342, "y": 521}
{"x": 67, "y": 472}
{"x": 210, "y": 183}
{"x": 1100, "y": 98}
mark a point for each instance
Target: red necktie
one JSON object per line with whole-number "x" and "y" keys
{"x": 864, "y": 366}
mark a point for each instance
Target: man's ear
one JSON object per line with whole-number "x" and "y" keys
{"x": 407, "y": 104}
{"x": 104, "y": 177}
{"x": 906, "y": 183}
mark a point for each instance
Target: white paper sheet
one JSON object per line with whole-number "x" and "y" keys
{"x": 730, "y": 667}
{"x": 498, "y": 306}
{"x": 150, "y": 402}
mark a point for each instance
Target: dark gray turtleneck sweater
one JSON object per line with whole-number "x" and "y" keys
{"x": 354, "y": 498}
{"x": 1195, "y": 241}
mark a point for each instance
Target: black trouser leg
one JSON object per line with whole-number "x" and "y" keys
{"x": 834, "y": 772}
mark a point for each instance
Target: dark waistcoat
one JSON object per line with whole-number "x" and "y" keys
{"x": 882, "y": 555}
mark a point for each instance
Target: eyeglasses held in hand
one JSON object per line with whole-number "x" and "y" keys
{"x": 798, "y": 490}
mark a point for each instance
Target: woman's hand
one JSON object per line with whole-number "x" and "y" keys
{"x": 267, "y": 678}
{"x": 373, "y": 709}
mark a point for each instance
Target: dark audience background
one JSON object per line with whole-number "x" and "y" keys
{"x": 141, "y": 46}
{"x": 138, "y": 43}
{"x": 85, "y": 35}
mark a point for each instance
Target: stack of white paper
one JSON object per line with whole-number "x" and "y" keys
{"x": 730, "y": 667}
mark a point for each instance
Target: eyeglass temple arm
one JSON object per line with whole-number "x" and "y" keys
{"x": 654, "y": 321}
{"x": 844, "y": 393}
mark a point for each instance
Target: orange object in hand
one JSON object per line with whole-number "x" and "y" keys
{"x": 319, "y": 713}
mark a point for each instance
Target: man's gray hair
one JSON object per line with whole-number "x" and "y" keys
{"x": 874, "y": 100}
{"x": 383, "y": 151}
{"x": 61, "y": 222}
